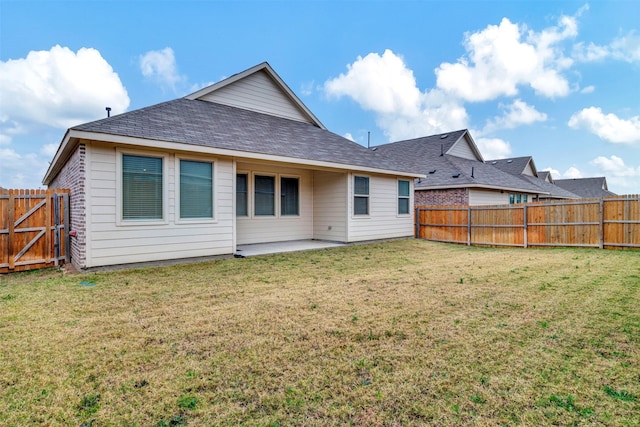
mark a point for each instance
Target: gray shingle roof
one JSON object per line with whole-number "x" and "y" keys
{"x": 423, "y": 154}
{"x": 586, "y": 187}
{"x": 208, "y": 124}
{"x": 516, "y": 165}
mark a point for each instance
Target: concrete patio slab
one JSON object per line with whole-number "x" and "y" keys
{"x": 278, "y": 247}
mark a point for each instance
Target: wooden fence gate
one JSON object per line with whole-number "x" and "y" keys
{"x": 33, "y": 229}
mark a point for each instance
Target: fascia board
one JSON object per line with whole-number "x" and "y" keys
{"x": 490, "y": 187}
{"x": 63, "y": 148}
{"x": 176, "y": 146}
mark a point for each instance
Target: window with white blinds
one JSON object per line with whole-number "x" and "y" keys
{"x": 196, "y": 189}
{"x": 142, "y": 187}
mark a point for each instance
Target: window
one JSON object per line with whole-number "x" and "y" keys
{"x": 524, "y": 198}
{"x": 404, "y": 187}
{"x": 518, "y": 198}
{"x": 361, "y": 195}
{"x": 289, "y": 190}
{"x": 264, "y": 195}
{"x": 142, "y": 187}
{"x": 196, "y": 189}
{"x": 242, "y": 191}
{"x": 512, "y": 199}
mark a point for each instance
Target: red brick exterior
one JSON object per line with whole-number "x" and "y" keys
{"x": 446, "y": 197}
{"x": 73, "y": 176}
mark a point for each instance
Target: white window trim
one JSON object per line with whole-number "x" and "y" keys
{"x": 279, "y": 195}
{"x": 165, "y": 188}
{"x": 398, "y": 196}
{"x": 353, "y": 196}
{"x": 214, "y": 171}
{"x": 276, "y": 192}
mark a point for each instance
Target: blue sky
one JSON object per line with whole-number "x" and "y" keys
{"x": 556, "y": 80}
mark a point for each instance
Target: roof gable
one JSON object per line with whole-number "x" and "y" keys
{"x": 258, "y": 89}
{"x": 465, "y": 147}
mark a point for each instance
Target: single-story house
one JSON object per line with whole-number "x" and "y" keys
{"x": 456, "y": 173}
{"x": 239, "y": 162}
{"x": 525, "y": 168}
{"x": 586, "y": 187}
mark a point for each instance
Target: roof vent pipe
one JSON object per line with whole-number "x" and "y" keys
{"x": 441, "y": 150}
{"x": 472, "y": 172}
{"x": 108, "y": 111}
{"x": 368, "y": 139}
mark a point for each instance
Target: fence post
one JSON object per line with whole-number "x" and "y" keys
{"x": 526, "y": 226}
{"x": 12, "y": 226}
{"x": 469, "y": 226}
{"x": 67, "y": 228}
{"x": 601, "y": 230}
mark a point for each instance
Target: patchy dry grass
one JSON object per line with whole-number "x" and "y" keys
{"x": 398, "y": 333}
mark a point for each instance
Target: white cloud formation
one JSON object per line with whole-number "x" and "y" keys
{"x": 18, "y": 170}
{"x": 618, "y": 174}
{"x": 516, "y": 114}
{"x": 572, "y": 172}
{"x": 349, "y": 136}
{"x": 383, "y": 84}
{"x": 58, "y": 88}
{"x": 607, "y": 126}
{"x": 588, "y": 89}
{"x": 624, "y": 48}
{"x": 502, "y": 57}
{"x": 555, "y": 173}
{"x": 160, "y": 66}
{"x": 493, "y": 148}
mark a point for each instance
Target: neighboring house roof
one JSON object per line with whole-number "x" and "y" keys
{"x": 515, "y": 165}
{"x": 586, "y": 187}
{"x": 216, "y": 128}
{"x": 545, "y": 175}
{"x": 525, "y": 169}
{"x": 452, "y": 160}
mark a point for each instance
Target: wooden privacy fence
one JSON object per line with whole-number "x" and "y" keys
{"x": 33, "y": 229}
{"x": 611, "y": 222}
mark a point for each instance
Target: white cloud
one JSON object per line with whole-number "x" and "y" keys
{"x": 607, "y": 126}
{"x": 502, "y": 57}
{"x": 516, "y": 114}
{"x": 383, "y": 84}
{"x": 493, "y": 148}
{"x": 349, "y": 137}
{"x": 618, "y": 174}
{"x": 572, "y": 172}
{"x": 18, "y": 170}
{"x": 160, "y": 66}
{"x": 615, "y": 166}
{"x": 57, "y": 88}
{"x": 624, "y": 48}
{"x": 588, "y": 89}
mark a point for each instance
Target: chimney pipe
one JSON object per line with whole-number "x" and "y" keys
{"x": 441, "y": 150}
{"x": 369, "y": 139}
{"x": 108, "y": 111}
{"x": 472, "y": 172}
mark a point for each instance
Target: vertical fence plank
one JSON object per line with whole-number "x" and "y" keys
{"x": 12, "y": 222}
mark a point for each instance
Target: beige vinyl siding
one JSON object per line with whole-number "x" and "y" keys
{"x": 383, "y": 221}
{"x": 329, "y": 206}
{"x": 110, "y": 243}
{"x": 264, "y": 229}
{"x": 462, "y": 149}
{"x": 528, "y": 170}
{"x": 487, "y": 197}
{"x": 257, "y": 92}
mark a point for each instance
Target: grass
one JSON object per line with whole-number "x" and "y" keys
{"x": 406, "y": 332}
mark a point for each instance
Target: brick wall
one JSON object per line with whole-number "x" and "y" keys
{"x": 73, "y": 176}
{"x": 447, "y": 197}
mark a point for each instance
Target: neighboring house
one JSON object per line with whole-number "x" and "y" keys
{"x": 456, "y": 173}
{"x": 241, "y": 161}
{"x": 525, "y": 168}
{"x": 586, "y": 187}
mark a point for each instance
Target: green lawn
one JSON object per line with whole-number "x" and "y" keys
{"x": 405, "y": 332}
